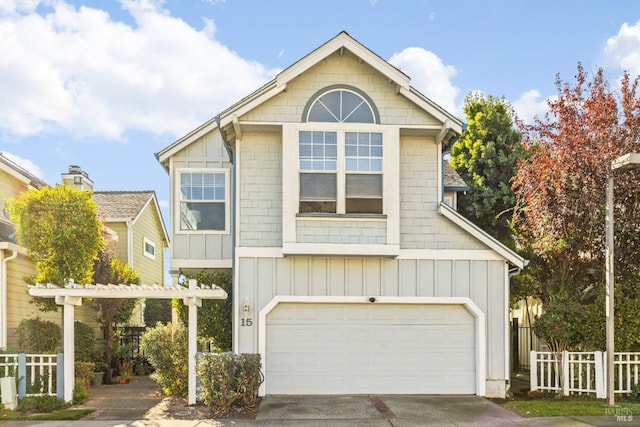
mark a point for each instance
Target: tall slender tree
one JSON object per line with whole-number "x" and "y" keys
{"x": 486, "y": 157}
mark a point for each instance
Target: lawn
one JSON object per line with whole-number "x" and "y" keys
{"x": 568, "y": 408}
{"x": 57, "y": 415}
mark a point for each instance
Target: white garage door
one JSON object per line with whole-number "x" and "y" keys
{"x": 370, "y": 348}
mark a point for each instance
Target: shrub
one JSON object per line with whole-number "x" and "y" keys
{"x": 44, "y": 403}
{"x": 80, "y": 392}
{"x": 85, "y": 343}
{"x": 39, "y": 336}
{"x": 229, "y": 380}
{"x": 84, "y": 371}
{"x": 166, "y": 348}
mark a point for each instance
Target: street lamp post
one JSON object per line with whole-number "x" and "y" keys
{"x": 628, "y": 161}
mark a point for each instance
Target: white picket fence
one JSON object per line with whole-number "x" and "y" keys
{"x": 35, "y": 374}
{"x": 583, "y": 372}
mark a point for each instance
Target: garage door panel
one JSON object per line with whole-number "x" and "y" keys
{"x": 366, "y": 348}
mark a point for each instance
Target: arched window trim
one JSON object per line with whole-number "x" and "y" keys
{"x": 333, "y": 88}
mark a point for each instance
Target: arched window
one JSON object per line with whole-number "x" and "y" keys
{"x": 340, "y": 104}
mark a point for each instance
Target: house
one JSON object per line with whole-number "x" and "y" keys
{"x": 323, "y": 191}
{"x": 135, "y": 219}
{"x": 15, "y": 264}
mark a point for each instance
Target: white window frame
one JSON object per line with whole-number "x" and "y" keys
{"x": 227, "y": 200}
{"x": 390, "y": 177}
{"x": 146, "y": 253}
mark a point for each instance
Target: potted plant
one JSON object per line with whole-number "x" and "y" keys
{"x": 126, "y": 372}
{"x": 98, "y": 374}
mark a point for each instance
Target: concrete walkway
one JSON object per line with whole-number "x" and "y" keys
{"x": 140, "y": 404}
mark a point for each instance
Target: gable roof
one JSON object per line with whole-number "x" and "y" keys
{"x": 19, "y": 172}
{"x": 452, "y": 180}
{"x": 452, "y": 126}
{"x": 126, "y": 206}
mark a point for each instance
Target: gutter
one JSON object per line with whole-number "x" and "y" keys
{"x": 3, "y": 297}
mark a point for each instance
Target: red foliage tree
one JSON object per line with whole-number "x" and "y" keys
{"x": 560, "y": 187}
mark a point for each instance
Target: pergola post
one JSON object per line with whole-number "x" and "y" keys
{"x": 193, "y": 302}
{"x": 68, "y": 304}
{"x": 72, "y": 294}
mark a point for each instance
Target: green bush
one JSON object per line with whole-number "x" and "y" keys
{"x": 39, "y": 336}
{"x": 85, "y": 343}
{"x": 44, "y": 403}
{"x": 80, "y": 392}
{"x": 229, "y": 380}
{"x": 214, "y": 317}
{"x": 166, "y": 348}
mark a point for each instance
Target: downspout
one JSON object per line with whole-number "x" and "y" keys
{"x": 130, "y": 244}
{"x": 230, "y": 147}
{"x": 4, "y": 330}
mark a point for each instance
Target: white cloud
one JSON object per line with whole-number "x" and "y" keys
{"x": 429, "y": 75}
{"x": 623, "y": 50}
{"x": 77, "y": 70}
{"x": 530, "y": 105}
{"x": 25, "y": 164}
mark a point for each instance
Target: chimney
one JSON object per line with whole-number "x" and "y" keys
{"x": 77, "y": 178}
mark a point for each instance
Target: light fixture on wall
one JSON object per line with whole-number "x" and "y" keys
{"x": 246, "y": 308}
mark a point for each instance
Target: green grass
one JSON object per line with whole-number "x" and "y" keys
{"x": 57, "y": 415}
{"x": 568, "y": 408}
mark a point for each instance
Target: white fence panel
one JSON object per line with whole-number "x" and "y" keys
{"x": 583, "y": 372}
{"x": 35, "y": 374}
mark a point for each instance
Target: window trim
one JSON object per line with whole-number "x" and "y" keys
{"x": 390, "y": 173}
{"x": 312, "y": 100}
{"x": 146, "y": 253}
{"x": 227, "y": 200}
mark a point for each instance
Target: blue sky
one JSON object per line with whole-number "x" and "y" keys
{"x": 106, "y": 84}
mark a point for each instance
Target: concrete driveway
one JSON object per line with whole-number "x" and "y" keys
{"x": 393, "y": 410}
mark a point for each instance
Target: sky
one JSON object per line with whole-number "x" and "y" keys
{"x": 106, "y": 84}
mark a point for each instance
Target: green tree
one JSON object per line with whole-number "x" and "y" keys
{"x": 214, "y": 317}
{"x": 157, "y": 310}
{"x": 60, "y": 228}
{"x": 111, "y": 311}
{"x": 486, "y": 157}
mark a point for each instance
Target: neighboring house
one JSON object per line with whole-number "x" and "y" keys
{"x": 136, "y": 219}
{"x": 323, "y": 191}
{"x": 15, "y": 302}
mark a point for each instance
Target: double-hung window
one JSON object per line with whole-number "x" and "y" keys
{"x": 203, "y": 200}
{"x": 341, "y": 165}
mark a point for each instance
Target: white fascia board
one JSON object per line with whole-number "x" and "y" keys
{"x": 12, "y": 246}
{"x": 242, "y": 108}
{"x": 481, "y": 235}
{"x": 340, "y": 249}
{"x": 177, "y": 263}
{"x": 344, "y": 41}
{"x": 432, "y": 108}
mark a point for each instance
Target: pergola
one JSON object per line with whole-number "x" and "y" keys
{"x": 72, "y": 294}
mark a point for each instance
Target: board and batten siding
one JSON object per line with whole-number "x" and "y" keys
{"x": 148, "y": 226}
{"x": 197, "y": 247}
{"x": 260, "y": 279}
